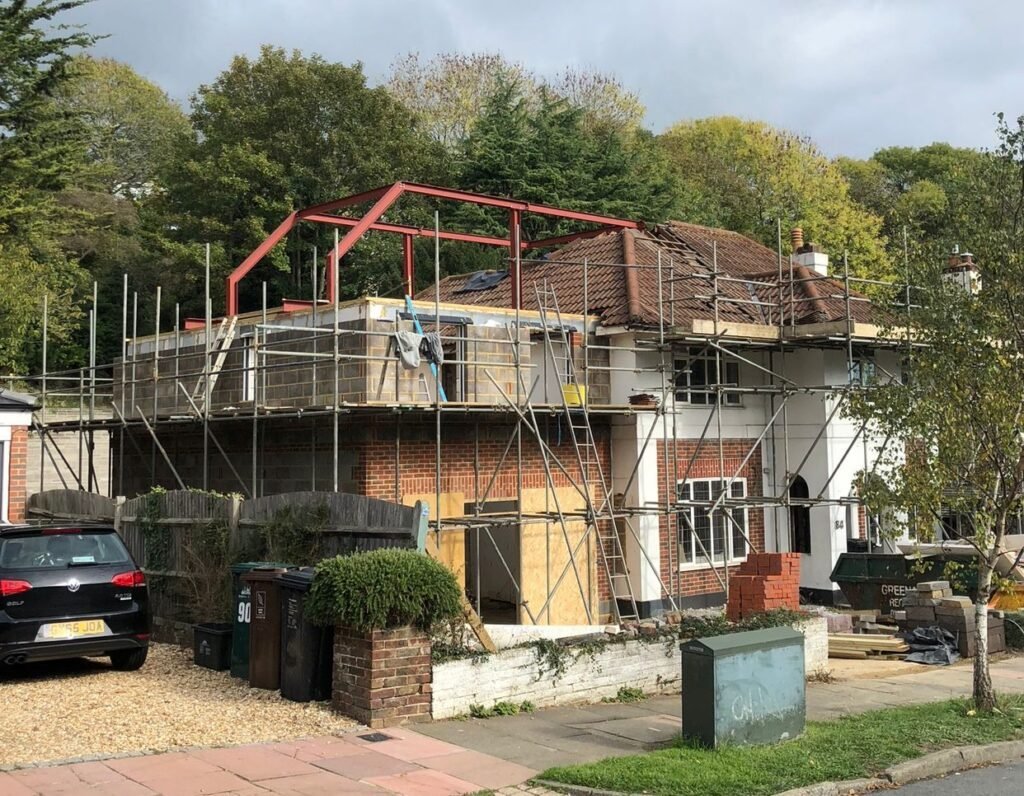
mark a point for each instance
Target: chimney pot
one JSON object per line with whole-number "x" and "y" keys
{"x": 796, "y": 238}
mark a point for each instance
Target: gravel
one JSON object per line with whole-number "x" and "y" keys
{"x": 82, "y": 708}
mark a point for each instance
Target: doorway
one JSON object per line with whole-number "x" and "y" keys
{"x": 800, "y": 517}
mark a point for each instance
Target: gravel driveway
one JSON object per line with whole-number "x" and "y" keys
{"x": 80, "y": 708}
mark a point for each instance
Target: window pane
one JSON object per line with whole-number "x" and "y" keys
{"x": 685, "y": 537}
{"x": 719, "y": 538}
{"x": 739, "y": 528}
{"x": 701, "y": 490}
{"x": 702, "y": 525}
{"x": 736, "y": 489}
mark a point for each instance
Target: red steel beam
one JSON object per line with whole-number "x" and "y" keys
{"x": 348, "y": 201}
{"x": 515, "y": 218}
{"x": 358, "y": 230}
{"x": 401, "y": 229}
{"x": 523, "y": 207}
{"x": 249, "y": 262}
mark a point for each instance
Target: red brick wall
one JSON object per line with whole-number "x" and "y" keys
{"x": 382, "y": 678}
{"x": 17, "y": 493}
{"x": 765, "y": 582}
{"x": 703, "y": 581}
{"x": 413, "y": 467}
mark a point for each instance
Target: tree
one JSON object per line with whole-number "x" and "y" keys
{"x": 957, "y": 418}
{"x": 746, "y": 175}
{"x": 131, "y": 126}
{"x": 281, "y": 132}
{"x": 40, "y": 152}
{"x": 920, "y": 190}
{"x": 550, "y": 152}
{"x": 450, "y": 93}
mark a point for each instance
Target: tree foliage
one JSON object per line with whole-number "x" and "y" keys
{"x": 451, "y": 92}
{"x": 957, "y": 418}
{"x": 280, "y": 132}
{"x": 746, "y": 176}
{"x": 40, "y": 152}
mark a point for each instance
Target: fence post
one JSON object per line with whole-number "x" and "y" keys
{"x": 119, "y": 502}
{"x": 234, "y": 521}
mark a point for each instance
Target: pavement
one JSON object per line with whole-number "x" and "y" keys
{"x": 458, "y": 757}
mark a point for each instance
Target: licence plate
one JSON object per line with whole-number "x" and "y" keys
{"x": 81, "y": 629}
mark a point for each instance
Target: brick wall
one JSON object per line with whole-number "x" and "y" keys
{"x": 699, "y": 580}
{"x": 382, "y": 678}
{"x": 17, "y": 492}
{"x": 765, "y": 582}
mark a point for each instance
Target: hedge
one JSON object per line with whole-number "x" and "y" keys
{"x": 383, "y": 589}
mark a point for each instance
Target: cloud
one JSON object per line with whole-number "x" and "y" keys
{"x": 852, "y": 76}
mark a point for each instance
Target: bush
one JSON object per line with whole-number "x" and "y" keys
{"x": 383, "y": 589}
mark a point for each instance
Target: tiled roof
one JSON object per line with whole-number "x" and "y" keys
{"x": 748, "y": 284}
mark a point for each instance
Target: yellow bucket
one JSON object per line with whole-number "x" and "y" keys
{"x": 575, "y": 394}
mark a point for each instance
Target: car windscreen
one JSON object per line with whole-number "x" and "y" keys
{"x": 61, "y": 550}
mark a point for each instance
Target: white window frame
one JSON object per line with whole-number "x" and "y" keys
{"x": 684, "y": 366}
{"x": 249, "y": 368}
{"x": 741, "y": 515}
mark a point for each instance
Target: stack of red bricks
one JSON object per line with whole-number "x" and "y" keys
{"x": 384, "y": 677}
{"x": 764, "y": 582}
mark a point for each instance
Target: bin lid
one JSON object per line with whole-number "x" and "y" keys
{"x": 719, "y": 646}
{"x": 298, "y": 579}
{"x": 263, "y": 574}
{"x": 245, "y": 566}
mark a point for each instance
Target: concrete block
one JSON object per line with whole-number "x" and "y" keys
{"x": 921, "y": 613}
{"x": 965, "y": 602}
{"x": 933, "y": 585}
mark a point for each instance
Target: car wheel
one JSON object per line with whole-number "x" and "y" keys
{"x": 128, "y": 660}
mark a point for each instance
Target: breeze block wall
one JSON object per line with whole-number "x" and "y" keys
{"x": 765, "y": 582}
{"x": 382, "y": 678}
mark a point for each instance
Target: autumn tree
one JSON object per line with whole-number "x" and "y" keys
{"x": 956, "y": 420}
{"x": 450, "y": 93}
{"x": 746, "y": 175}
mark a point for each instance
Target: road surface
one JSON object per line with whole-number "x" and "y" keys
{"x": 1006, "y": 780}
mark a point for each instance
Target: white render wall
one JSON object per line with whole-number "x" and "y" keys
{"x": 515, "y": 675}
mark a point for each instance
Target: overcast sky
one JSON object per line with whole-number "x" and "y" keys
{"x": 854, "y": 76}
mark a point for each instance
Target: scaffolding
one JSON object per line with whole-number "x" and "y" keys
{"x": 539, "y": 346}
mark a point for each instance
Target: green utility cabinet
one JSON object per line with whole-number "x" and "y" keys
{"x": 744, "y": 688}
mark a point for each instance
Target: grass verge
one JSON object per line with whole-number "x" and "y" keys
{"x": 850, "y": 748}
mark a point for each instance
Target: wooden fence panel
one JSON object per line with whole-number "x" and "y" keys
{"x": 70, "y": 504}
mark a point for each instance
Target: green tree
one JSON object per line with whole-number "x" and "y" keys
{"x": 40, "y": 152}
{"x": 746, "y": 175}
{"x": 281, "y": 132}
{"x": 549, "y": 151}
{"x": 956, "y": 420}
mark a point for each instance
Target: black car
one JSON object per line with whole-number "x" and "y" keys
{"x": 70, "y": 591}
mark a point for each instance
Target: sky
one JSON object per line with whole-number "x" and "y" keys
{"x": 854, "y": 76}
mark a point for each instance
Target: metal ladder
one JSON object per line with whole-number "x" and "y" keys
{"x": 222, "y": 342}
{"x": 577, "y": 420}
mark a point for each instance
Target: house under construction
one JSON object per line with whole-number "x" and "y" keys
{"x": 602, "y": 430}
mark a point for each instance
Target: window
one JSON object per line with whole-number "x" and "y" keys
{"x": 701, "y": 534}
{"x": 862, "y": 371}
{"x": 695, "y": 378}
{"x": 248, "y": 368}
{"x": 800, "y": 518}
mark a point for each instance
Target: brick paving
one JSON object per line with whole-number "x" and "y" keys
{"x": 407, "y": 763}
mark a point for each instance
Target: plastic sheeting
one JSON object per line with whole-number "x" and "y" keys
{"x": 934, "y": 646}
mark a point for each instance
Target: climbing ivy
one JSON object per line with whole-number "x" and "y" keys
{"x": 155, "y": 535}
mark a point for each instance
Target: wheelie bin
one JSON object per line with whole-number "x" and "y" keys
{"x": 243, "y": 615}
{"x": 307, "y": 650}
{"x": 264, "y": 627}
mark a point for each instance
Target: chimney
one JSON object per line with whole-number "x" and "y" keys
{"x": 796, "y": 238}
{"x": 812, "y": 257}
{"x": 962, "y": 271}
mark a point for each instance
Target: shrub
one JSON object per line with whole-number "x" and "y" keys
{"x": 383, "y": 589}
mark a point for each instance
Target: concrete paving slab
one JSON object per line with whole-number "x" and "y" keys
{"x": 648, "y": 730}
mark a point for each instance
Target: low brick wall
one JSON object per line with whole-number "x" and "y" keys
{"x": 382, "y": 678}
{"x": 590, "y": 674}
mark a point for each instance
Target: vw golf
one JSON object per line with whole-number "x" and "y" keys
{"x": 67, "y": 592}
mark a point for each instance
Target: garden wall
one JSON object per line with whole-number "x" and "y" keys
{"x": 579, "y": 674}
